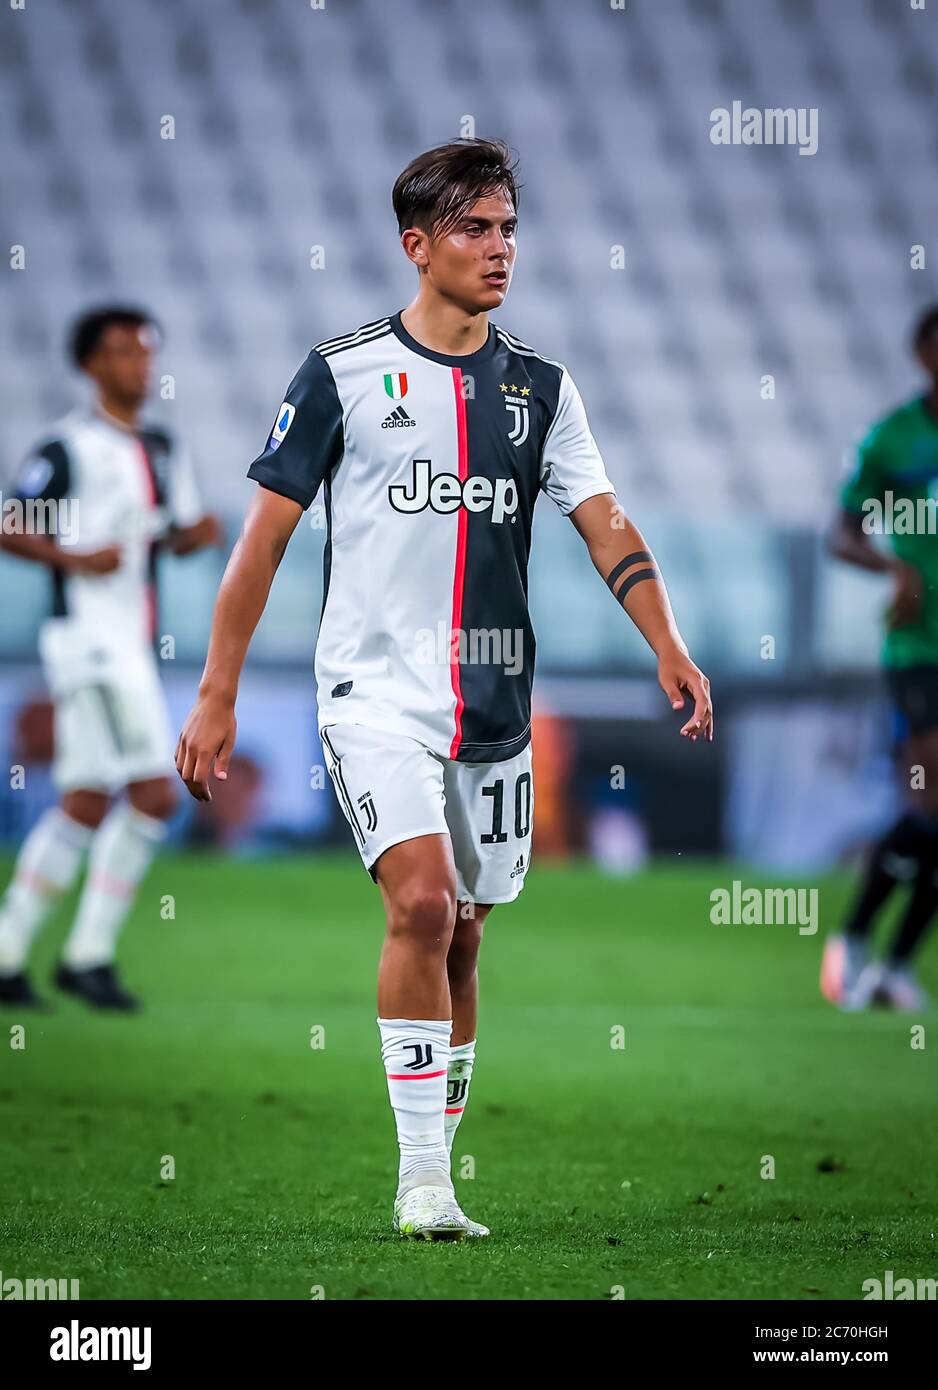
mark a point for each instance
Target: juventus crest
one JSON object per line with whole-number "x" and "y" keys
{"x": 516, "y": 403}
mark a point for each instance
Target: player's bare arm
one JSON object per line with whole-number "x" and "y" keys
{"x": 186, "y": 540}
{"x": 620, "y": 554}
{"x": 207, "y": 740}
{"x": 848, "y": 541}
{"x": 44, "y": 550}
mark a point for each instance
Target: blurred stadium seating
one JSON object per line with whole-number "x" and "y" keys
{"x": 290, "y": 124}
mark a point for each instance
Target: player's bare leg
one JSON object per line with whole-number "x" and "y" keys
{"x": 47, "y": 866}
{"x": 418, "y": 883}
{"x": 88, "y": 807}
{"x": 462, "y": 969}
{"x": 121, "y": 852}
{"x": 155, "y": 798}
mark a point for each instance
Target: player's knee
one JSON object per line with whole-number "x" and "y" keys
{"x": 156, "y": 799}
{"x": 463, "y": 955}
{"x": 88, "y": 808}
{"x": 424, "y": 910}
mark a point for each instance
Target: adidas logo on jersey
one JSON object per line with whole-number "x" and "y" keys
{"x": 519, "y": 867}
{"x": 398, "y": 419}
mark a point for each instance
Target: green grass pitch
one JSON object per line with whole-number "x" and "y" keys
{"x": 603, "y": 1172}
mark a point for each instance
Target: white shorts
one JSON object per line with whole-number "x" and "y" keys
{"x": 110, "y": 733}
{"x": 391, "y": 788}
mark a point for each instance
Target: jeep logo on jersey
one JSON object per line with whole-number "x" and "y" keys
{"x": 447, "y": 493}
{"x": 282, "y": 423}
{"x": 518, "y": 409}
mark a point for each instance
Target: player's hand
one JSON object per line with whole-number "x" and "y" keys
{"x": 906, "y": 605}
{"x": 677, "y": 674}
{"x": 184, "y": 540}
{"x": 103, "y": 561}
{"x": 205, "y": 745}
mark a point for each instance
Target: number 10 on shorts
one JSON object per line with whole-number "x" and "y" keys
{"x": 497, "y": 836}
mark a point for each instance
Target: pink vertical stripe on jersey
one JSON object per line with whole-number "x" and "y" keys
{"x": 459, "y": 577}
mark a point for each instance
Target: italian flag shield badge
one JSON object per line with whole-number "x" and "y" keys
{"x": 395, "y": 384}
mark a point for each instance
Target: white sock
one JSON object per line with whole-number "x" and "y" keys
{"x": 121, "y": 851}
{"x": 458, "y": 1075}
{"x": 47, "y": 865}
{"x": 418, "y": 1095}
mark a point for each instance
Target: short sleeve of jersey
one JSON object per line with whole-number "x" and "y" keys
{"x": 307, "y": 440}
{"x": 45, "y": 473}
{"x": 572, "y": 468}
{"x": 866, "y": 474}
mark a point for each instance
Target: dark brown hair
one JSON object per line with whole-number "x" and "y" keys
{"x": 437, "y": 187}
{"x": 88, "y": 330}
{"x": 925, "y": 326}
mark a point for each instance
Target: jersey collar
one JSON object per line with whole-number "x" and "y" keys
{"x": 446, "y": 360}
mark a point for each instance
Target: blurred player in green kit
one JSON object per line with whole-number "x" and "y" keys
{"x": 891, "y": 482}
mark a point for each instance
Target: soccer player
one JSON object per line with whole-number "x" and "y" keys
{"x": 895, "y": 467}
{"x": 129, "y": 492}
{"x": 431, "y": 432}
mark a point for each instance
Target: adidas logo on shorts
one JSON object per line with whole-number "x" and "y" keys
{"x": 519, "y": 867}
{"x": 398, "y": 419}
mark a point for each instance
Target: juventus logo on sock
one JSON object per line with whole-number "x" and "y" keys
{"x": 456, "y": 1091}
{"x": 423, "y": 1055}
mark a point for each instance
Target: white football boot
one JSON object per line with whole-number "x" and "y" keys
{"x": 892, "y": 986}
{"x": 475, "y": 1228}
{"x": 902, "y": 990}
{"x": 868, "y": 990}
{"x": 430, "y": 1212}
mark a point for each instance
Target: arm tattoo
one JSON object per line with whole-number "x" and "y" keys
{"x": 637, "y": 557}
{"x": 634, "y": 579}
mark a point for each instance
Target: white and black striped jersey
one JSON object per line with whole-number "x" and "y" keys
{"x": 431, "y": 465}
{"x": 120, "y": 487}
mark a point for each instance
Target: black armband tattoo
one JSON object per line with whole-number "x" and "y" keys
{"x": 637, "y": 557}
{"x": 634, "y": 579}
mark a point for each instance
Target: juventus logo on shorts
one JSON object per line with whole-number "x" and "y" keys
{"x": 423, "y": 1055}
{"x": 366, "y": 804}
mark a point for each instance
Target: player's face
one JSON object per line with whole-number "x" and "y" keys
{"x": 472, "y": 262}
{"x": 122, "y": 363}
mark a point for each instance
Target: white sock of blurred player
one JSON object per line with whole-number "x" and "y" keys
{"x": 121, "y": 851}
{"x": 416, "y": 1056}
{"x": 48, "y": 864}
{"x": 458, "y": 1075}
